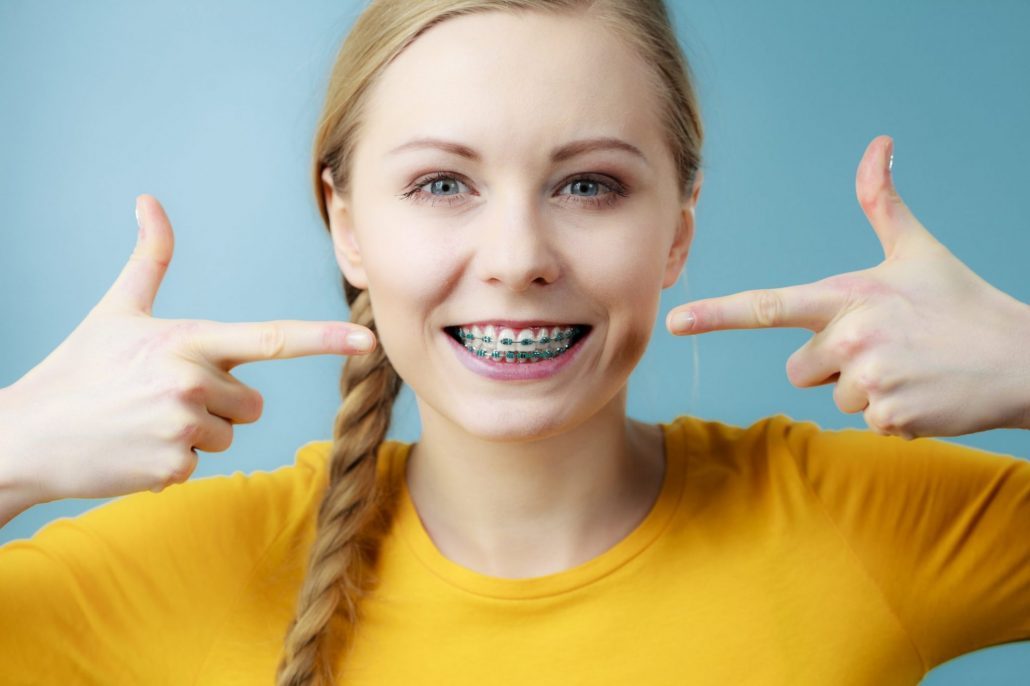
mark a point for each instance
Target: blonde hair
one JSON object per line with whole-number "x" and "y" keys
{"x": 353, "y": 514}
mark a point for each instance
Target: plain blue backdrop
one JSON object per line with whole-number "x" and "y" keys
{"x": 211, "y": 108}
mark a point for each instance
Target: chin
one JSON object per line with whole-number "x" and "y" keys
{"x": 514, "y": 423}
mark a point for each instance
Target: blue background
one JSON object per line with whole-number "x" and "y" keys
{"x": 211, "y": 108}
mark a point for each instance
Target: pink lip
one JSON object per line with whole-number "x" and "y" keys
{"x": 514, "y": 323}
{"x": 517, "y": 371}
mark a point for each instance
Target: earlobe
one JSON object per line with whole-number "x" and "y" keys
{"x": 345, "y": 245}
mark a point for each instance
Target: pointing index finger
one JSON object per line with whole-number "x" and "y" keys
{"x": 231, "y": 343}
{"x": 810, "y": 306}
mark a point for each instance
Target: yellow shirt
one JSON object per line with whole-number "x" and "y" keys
{"x": 778, "y": 553}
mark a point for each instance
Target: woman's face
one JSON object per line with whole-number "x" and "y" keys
{"x": 510, "y": 232}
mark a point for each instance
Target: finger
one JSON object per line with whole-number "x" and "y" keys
{"x": 813, "y": 364}
{"x": 184, "y": 469}
{"x": 848, "y": 395}
{"x": 894, "y": 224}
{"x": 136, "y": 286}
{"x": 214, "y": 434}
{"x": 811, "y": 306}
{"x": 231, "y": 399}
{"x": 229, "y": 344}
{"x": 882, "y": 422}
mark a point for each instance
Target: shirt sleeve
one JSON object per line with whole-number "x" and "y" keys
{"x": 942, "y": 529}
{"x": 134, "y": 590}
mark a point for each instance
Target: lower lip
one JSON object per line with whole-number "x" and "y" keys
{"x": 516, "y": 371}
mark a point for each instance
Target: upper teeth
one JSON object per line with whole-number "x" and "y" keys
{"x": 508, "y": 339}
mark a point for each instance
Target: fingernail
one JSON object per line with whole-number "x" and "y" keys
{"x": 138, "y": 222}
{"x": 359, "y": 340}
{"x": 890, "y": 158}
{"x": 682, "y": 321}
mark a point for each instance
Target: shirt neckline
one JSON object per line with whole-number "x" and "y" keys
{"x": 410, "y": 528}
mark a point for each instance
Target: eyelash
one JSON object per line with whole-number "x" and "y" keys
{"x": 617, "y": 191}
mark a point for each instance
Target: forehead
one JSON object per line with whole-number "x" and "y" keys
{"x": 513, "y": 85}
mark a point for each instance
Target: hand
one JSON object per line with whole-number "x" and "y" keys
{"x": 919, "y": 344}
{"x": 125, "y": 401}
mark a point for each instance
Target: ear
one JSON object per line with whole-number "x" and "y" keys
{"x": 345, "y": 244}
{"x": 680, "y": 247}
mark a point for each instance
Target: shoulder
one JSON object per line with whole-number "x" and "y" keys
{"x": 836, "y": 458}
{"x": 713, "y": 440}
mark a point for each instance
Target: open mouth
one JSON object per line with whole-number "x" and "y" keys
{"x": 506, "y": 345}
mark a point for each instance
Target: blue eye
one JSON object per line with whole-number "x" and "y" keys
{"x": 444, "y": 181}
{"x": 440, "y": 182}
{"x": 585, "y": 182}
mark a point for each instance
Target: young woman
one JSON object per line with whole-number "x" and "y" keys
{"x": 534, "y": 533}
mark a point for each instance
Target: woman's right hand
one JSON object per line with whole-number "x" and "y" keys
{"x": 123, "y": 403}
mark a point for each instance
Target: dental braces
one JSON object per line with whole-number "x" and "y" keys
{"x": 565, "y": 335}
{"x": 513, "y": 355}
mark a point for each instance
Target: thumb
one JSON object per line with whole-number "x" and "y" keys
{"x": 894, "y": 224}
{"x": 136, "y": 287}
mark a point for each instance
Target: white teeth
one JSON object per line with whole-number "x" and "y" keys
{"x": 490, "y": 333}
{"x": 525, "y": 345}
{"x": 506, "y": 340}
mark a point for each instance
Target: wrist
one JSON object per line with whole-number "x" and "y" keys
{"x": 17, "y": 494}
{"x": 1021, "y": 369}
{"x": 1024, "y": 343}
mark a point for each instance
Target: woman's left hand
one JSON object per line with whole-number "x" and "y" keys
{"x": 919, "y": 344}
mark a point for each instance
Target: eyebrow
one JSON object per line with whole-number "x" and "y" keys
{"x": 560, "y": 154}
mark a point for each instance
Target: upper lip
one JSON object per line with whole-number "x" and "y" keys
{"x": 518, "y": 323}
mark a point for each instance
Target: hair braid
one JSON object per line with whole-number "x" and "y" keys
{"x": 350, "y": 517}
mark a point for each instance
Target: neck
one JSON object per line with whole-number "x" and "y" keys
{"x": 533, "y": 507}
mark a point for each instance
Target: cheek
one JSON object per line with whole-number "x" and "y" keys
{"x": 626, "y": 283}
{"x": 407, "y": 269}
{"x": 406, "y": 283}
{"x": 625, "y": 273}
{"x": 631, "y": 342}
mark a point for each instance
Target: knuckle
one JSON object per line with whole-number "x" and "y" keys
{"x": 850, "y": 344}
{"x": 182, "y": 469}
{"x": 189, "y": 432}
{"x": 872, "y": 418}
{"x": 885, "y": 418}
{"x": 870, "y": 378}
{"x": 271, "y": 340}
{"x": 175, "y": 471}
{"x": 190, "y": 390}
{"x": 768, "y": 308}
{"x": 876, "y": 378}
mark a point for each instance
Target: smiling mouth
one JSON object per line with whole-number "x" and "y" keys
{"x": 507, "y": 344}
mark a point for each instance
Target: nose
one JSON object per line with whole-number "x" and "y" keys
{"x": 516, "y": 245}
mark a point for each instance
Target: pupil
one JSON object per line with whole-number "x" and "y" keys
{"x": 443, "y": 182}
{"x": 583, "y": 184}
